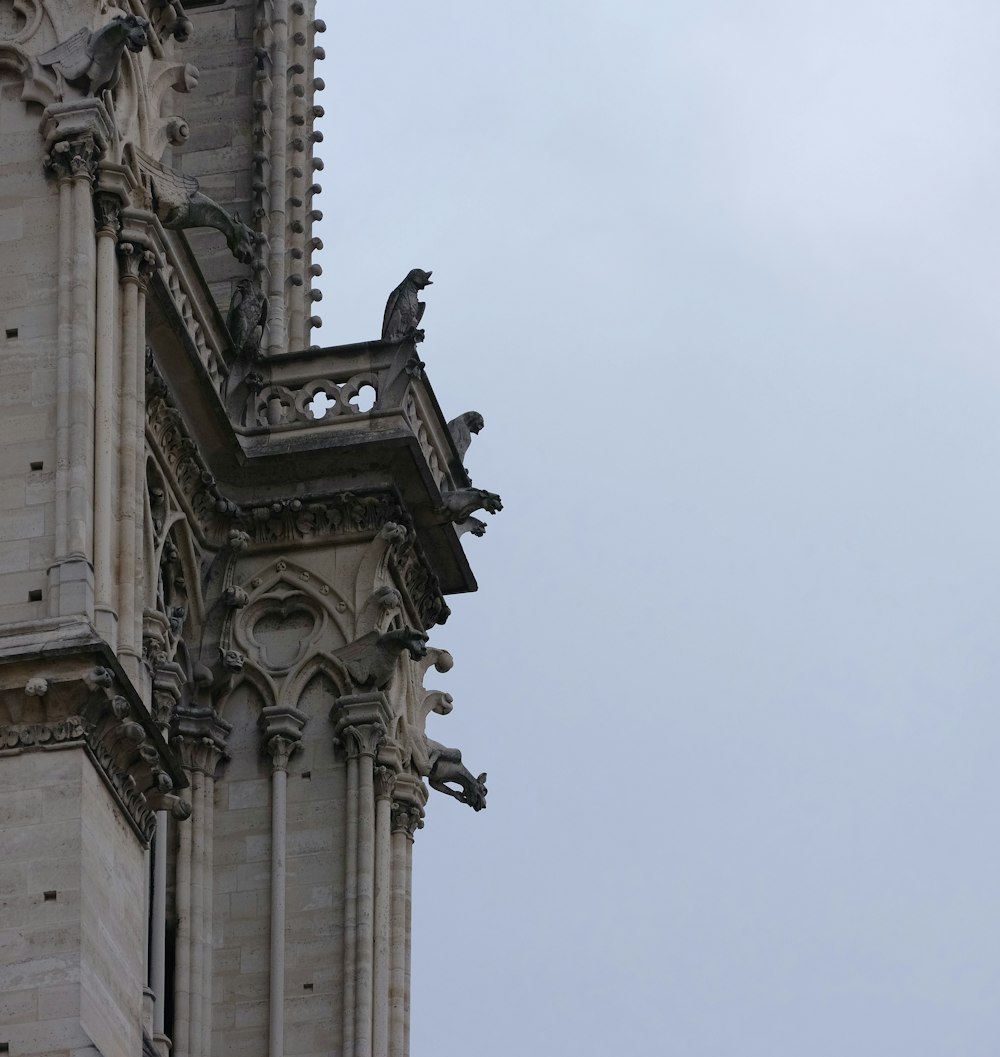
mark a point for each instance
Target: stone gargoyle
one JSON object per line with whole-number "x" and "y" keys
{"x": 247, "y": 318}
{"x": 444, "y": 770}
{"x": 368, "y": 662}
{"x": 179, "y": 204}
{"x": 404, "y": 310}
{"x": 462, "y": 503}
{"x": 91, "y": 59}
{"x": 462, "y": 429}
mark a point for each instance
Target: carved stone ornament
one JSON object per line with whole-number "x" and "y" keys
{"x": 281, "y": 728}
{"x": 404, "y": 310}
{"x": 199, "y": 738}
{"x": 247, "y": 319}
{"x": 406, "y": 818}
{"x": 91, "y": 59}
{"x": 462, "y": 430}
{"x": 448, "y": 771}
{"x": 362, "y": 739}
{"x": 464, "y": 502}
{"x": 369, "y": 662}
{"x": 179, "y": 205}
{"x": 70, "y": 158}
{"x": 385, "y": 783}
{"x": 281, "y": 750}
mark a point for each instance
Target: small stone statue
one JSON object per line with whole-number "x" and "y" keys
{"x": 403, "y": 310}
{"x": 247, "y": 318}
{"x": 370, "y": 661}
{"x": 462, "y": 429}
{"x": 179, "y": 205}
{"x": 462, "y": 503}
{"x": 91, "y": 59}
{"x": 447, "y": 770}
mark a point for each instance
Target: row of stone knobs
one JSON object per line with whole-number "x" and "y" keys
{"x": 303, "y": 191}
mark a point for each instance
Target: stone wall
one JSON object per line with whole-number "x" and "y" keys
{"x": 28, "y": 325}
{"x": 71, "y": 911}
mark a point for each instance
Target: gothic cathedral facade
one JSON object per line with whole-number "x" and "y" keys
{"x": 223, "y": 549}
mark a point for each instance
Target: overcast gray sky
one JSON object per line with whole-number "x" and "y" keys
{"x": 721, "y": 277}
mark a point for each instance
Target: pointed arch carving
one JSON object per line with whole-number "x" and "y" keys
{"x": 317, "y": 666}
{"x": 254, "y": 679}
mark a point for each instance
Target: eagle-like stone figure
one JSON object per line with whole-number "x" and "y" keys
{"x": 91, "y": 59}
{"x": 462, "y": 429}
{"x": 247, "y": 318}
{"x": 403, "y": 310}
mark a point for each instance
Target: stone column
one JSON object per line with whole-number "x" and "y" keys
{"x": 137, "y": 264}
{"x": 407, "y": 818}
{"x": 385, "y": 783}
{"x": 361, "y": 722}
{"x": 108, "y": 206}
{"x": 166, "y": 807}
{"x": 76, "y": 136}
{"x": 281, "y": 728}
{"x": 200, "y": 746}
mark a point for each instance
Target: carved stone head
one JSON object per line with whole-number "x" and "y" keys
{"x": 136, "y": 37}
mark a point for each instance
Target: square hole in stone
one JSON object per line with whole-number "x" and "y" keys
{"x": 50, "y": 896}
{"x": 10, "y": 333}
{"x": 35, "y": 596}
{"x": 38, "y": 465}
{"x": 307, "y": 775}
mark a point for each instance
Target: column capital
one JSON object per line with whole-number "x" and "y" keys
{"x": 385, "y": 783}
{"x": 361, "y": 722}
{"x": 77, "y": 134}
{"x": 406, "y": 818}
{"x": 281, "y": 728}
{"x": 409, "y": 797}
{"x": 138, "y": 262}
{"x": 200, "y": 739}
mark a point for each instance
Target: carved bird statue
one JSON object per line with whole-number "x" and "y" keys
{"x": 403, "y": 310}
{"x": 247, "y": 318}
{"x": 91, "y": 59}
{"x": 462, "y": 428}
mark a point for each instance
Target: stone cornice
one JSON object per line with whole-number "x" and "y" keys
{"x": 60, "y": 693}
